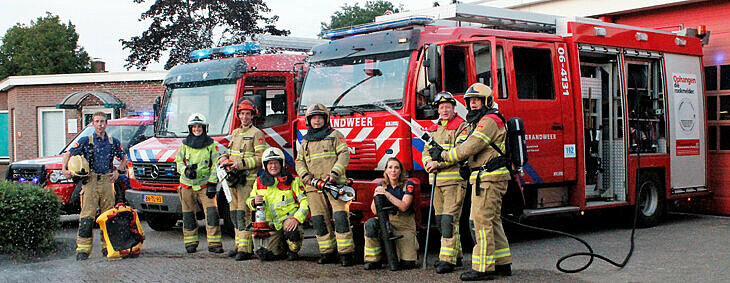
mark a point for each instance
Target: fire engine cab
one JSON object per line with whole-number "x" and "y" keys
{"x": 214, "y": 86}
{"x": 607, "y": 108}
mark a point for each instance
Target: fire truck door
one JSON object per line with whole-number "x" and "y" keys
{"x": 533, "y": 94}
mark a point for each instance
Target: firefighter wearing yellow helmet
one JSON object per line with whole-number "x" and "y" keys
{"x": 285, "y": 205}
{"x": 244, "y": 158}
{"x": 195, "y": 160}
{"x": 489, "y": 175}
{"x": 448, "y": 191}
{"x": 93, "y": 158}
{"x": 324, "y": 155}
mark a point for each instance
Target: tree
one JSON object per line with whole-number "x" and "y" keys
{"x": 356, "y": 15}
{"x": 184, "y": 26}
{"x": 45, "y": 47}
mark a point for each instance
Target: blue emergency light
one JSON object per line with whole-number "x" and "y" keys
{"x": 377, "y": 27}
{"x": 226, "y": 51}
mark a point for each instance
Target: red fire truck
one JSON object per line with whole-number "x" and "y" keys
{"x": 213, "y": 86}
{"x": 607, "y": 108}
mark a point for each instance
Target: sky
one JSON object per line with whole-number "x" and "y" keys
{"x": 102, "y": 23}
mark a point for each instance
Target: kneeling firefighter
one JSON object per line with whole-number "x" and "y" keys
{"x": 489, "y": 175}
{"x": 396, "y": 233}
{"x": 196, "y": 161}
{"x": 93, "y": 162}
{"x": 281, "y": 197}
{"x": 323, "y": 155}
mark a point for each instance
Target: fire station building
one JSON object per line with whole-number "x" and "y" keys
{"x": 40, "y": 114}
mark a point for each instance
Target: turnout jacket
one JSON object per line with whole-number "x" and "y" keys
{"x": 205, "y": 157}
{"x": 445, "y": 133}
{"x": 246, "y": 147}
{"x": 477, "y": 148}
{"x": 281, "y": 201}
{"x": 319, "y": 158}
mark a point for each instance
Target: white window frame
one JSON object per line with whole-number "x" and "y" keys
{"x": 42, "y": 110}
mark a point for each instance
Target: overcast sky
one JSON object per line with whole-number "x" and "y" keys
{"x": 101, "y": 23}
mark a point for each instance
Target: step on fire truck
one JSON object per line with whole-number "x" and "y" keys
{"x": 607, "y": 108}
{"x": 213, "y": 86}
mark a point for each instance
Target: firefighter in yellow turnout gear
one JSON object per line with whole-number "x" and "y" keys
{"x": 195, "y": 161}
{"x": 324, "y": 155}
{"x": 449, "y": 192}
{"x": 285, "y": 205}
{"x": 489, "y": 179}
{"x": 245, "y": 150}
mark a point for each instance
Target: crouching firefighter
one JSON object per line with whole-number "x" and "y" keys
{"x": 323, "y": 155}
{"x": 394, "y": 228}
{"x": 98, "y": 177}
{"x": 448, "y": 191}
{"x": 195, "y": 161}
{"x": 281, "y": 198}
{"x": 489, "y": 176}
{"x": 247, "y": 145}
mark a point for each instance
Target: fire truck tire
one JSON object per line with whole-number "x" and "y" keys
{"x": 74, "y": 203}
{"x": 225, "y": 213}
{"x": 651, "y": 200}
{"x": 161, "y": 221}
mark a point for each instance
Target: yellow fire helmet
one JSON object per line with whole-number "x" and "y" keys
{"x": 78, "y": 165}
{"x": 480, "y": 90}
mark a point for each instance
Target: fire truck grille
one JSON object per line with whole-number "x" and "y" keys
{"x": 156, "y": 172}
{"x": 363, "y": 155}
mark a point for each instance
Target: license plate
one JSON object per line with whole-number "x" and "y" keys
{"x": 153, "y": 198}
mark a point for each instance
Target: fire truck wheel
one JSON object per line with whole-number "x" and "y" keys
{"x": 161, "y": 221}
{"x": 651, "y": 200}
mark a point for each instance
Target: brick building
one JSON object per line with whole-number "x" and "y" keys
{"x": 41, "y": 114}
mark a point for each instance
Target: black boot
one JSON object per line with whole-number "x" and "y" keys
{"x": 232, "y": 253}
{"x": 407, "y": 264}
{"x": 503, "y": 270}
{"x": 243, "y": 256}
{"x": 82, "y": 256}
{"x": 372, "y": 265}
{"x": 265, "y": 255}
{"x": 347, "y": 259}
{"x": 473, "y": 275}
{"x": 191, "y": 248}
{"x": 444, "y": 267}
{"x": 459, "y": 262}
{"x": 215, "y": 249}
{"x": 327, "y": 258}
{"x": 292, "y": 256}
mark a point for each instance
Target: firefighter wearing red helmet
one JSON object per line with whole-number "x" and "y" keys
{"x": 449, "y": 192}
{"x": 324, "y": 155}
{"x": 489, "y": 176}
{"x": 245, "y": 150}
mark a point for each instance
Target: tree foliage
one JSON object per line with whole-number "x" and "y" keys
{"x": 356, "y": 15}
{"x": 184, "y": 26}
{"x": 45, "y": 47}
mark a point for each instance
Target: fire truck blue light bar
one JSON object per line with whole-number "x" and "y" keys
{"x": 377, "y": 27}
{"x": 226, "y": 51}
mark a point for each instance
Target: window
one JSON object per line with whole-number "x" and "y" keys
{"x": 725, "y": 77}
{"x": 724, "y": 107}
{"x": 712, "y": 136}
{"x": 454, "y": 70}
{"x": 711, "y": 78}
{"x": 645, "y": 99}
{"x": 533, "y": 73}
{"x": 711, "y": 107}
{"x": 273, "y": 91}
{"x": 724, "y": 137}
{"x": 483, "y": 61}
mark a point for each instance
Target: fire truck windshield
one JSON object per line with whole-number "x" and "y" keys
{"x": 213, "y": 99}
{"x": 357, "y": 82}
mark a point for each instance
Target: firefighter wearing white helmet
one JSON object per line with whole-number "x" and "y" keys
{"x": 285, "y": 205}
{"x": 324, "y": 155}
{"x": 448, "y": 191}
{"x": 491, "y": 255}
{"x": 243, "y": 160}
{"x": 196, "y": 159}
{"x": 95, "y": 155}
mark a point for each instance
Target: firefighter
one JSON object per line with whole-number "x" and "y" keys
{"x": 247, "y": 145}
{"x": 285, "y": 205}
{"x": 324, "y": 155}
{"x": 399, "y": 192}
{"x": 196, "y": 164}
{"x": 97, "y": 189}
{"x": 491, "y": 255}
{"x": 448, "y": 193}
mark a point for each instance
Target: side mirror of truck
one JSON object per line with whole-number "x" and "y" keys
{"x": 156, "y": 107}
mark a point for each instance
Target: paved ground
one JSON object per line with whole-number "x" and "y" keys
{"x": 683, "y": 248}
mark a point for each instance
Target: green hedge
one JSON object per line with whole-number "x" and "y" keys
{"x": 29, "y": 218}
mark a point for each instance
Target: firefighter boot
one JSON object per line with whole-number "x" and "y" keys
{"x": 232, "y": 253}
{"x": 191, "y": 248}
{"x": 407, "y": 264}
{"x": 265, "y": 255}
{"x": 292, "y": 256}
{"x": 82, "y": 256}
{"x": 473, "y": 275}
{"x": 243, "y": 256}
{"x": 347, "y": 259}
{"x": 503, "y": 270}
{"x": 327, "y": 258}
{"x": 443, "y": 267}
{"x": 215, "y": 249}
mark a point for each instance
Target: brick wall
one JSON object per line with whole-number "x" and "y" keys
{"x": 24, "y": 103}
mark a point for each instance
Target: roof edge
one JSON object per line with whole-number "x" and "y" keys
{"x": 78, "y": 78}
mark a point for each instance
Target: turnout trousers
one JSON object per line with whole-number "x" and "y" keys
{"x": 404, "y": 224}
{"x": 189, "y": 199}
{"x": 241, "y": 216}
{"x": 97, "y": 193}
{"x": 327, "y": 239}
{"x": 491, "y": 242}
{"x": 447, "y": 202}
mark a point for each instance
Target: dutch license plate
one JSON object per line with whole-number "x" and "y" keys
{"x": 153, "y": 198}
